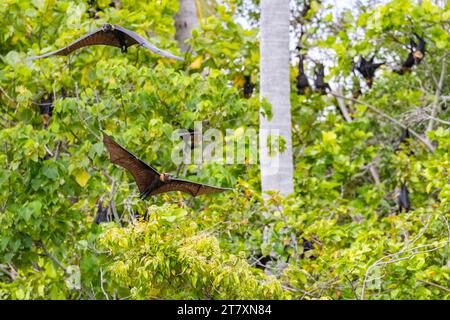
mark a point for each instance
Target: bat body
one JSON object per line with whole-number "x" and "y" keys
{"x": 403, "y": 199}
{"x": 151, "y": 182}
{"x": 415, "y": 56}
{"x": 191, "y": 139}
{"x": 419, "y": 49}
{"x": 46, "y": 110}
{"x": 111, "y": 35}
{"x": 367, "y": 69}
{"x": 248, "y": 87}
{"x": 302, "y": 79}
{"x": 405, "y": 135}
{"x": 102, "y": 213}
{"x": 319, "y": 82}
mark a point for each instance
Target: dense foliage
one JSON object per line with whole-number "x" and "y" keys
{"x": 172, "y": 246}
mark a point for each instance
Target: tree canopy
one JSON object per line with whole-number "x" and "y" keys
{"x": 340, "y": 235}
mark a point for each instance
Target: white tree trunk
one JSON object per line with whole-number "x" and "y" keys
{"x": 277, "y": 171}
{"x": 185, "y": 21}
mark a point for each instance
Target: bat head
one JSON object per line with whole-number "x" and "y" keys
{"x": 46, "y": 120}
{"x": 107, "y": 27}
{"x": 418, "y": 55}
{"x": 165, "y": 177}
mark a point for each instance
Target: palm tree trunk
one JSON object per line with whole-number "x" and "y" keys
{"x": 185, "y": 21}
{"x": 276, "y": 171}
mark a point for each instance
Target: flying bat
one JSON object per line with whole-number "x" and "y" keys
{"x": 151, "y": 182}
{"x": 110, "y": 35}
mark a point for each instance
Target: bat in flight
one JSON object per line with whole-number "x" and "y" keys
{"x": 151, "y": 182}
{"x": 110, "y": 35}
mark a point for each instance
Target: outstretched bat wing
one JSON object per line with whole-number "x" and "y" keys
{"x": 143, "y": 173}
{"x": 97, "y": 37}
{"x": 193, "y": 188}
{"x": 145, "y": 43}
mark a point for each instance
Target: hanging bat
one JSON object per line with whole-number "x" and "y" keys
{"x": 403, "y": 199}
{"x": 102, "y": 213}
{"x": 405, "y": 135}
{"x": 367, "y": 69}
{"x": 263, "y": 261}
{"x": 46, "y": 109}
{"x": 419, "y": 52}
{"x": 415, "y": 56}
{"x": 111, "y": 35}
{"x": 149, "y": 181}
{"x": 302, "y": 79}
{"x": 307, "y": 246}
{"x": 193, "y": 139}
{"x": 356, "y": 90}
{"x": 319, "y": 82}
{"x": 248, "y": 87}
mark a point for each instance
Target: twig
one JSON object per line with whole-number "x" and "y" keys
{"x": 395, "y": 121}
{"x": 112, "y": 203}
{"x": 7, "y": 120}
{"x": 12, "y": 274}
{"x": 48, "y": 254}
{"x": 434, "y": 285}
{"x": 48, "y": 151}
{"x": 437, "y": 94}
{"x": 380, "y": 262}
{"x": 81, "y": 117}
{"x": 101, "y": 284}
{"x": 343, "y": 107}
{"x": 6, "y": 94}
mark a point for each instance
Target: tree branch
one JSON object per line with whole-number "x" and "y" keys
{"x": 393, "y": 120}
{"x": 434, "y": 109}
{"x": 81, "y": 117}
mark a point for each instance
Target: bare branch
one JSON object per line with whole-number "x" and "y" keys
{"x": 434, "y": 285}
{"x": 393, "y": 120}
{"x": 440, "y": 85}
{"x": 81, "y": 117}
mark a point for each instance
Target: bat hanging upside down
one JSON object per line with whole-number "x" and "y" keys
{"x": 110, "y": 35}
{"x": 415, "y": 56}
{"x": 151, "y": 182}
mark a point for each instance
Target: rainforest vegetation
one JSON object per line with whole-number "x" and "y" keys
{"x": 369, "y": 214}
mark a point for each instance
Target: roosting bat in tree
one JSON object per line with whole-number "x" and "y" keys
{"x": 102, "y": 213}
{"x": 367, "y": 69}
{"x": 319, "y": 82}
{"x": 149, "y": 181}
{"x": 356, "y": 90}
{"x": 403, "y": 199}
{"x": 405, "y": 135}
{"x": 110, "y": 35}
{"x": 302, "y": 79}
{"x": 419, "y": 52}
{"x": 415, "y": 56}
{"x": 191, "y": 139}
{"x": 46, "y": 109}
{"x": 248, "y": 87}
